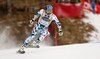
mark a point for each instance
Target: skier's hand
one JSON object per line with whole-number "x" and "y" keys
{"x": 60, "y": 33}
{"x": 31, "y": 22}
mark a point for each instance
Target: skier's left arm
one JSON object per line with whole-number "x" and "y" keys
{"x": 58, "y": 25}
{"x": 37, "y": 15}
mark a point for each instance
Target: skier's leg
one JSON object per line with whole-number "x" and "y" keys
{"x": 94, "y": 10}
{"x": 39, "y": 39}
{"x": 30, "y": 38}
{"x": 42, "y": 36}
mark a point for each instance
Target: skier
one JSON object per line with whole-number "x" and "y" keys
{"x": 46, "y": 17}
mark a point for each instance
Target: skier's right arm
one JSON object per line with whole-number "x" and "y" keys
{"x": 35, "y": 17}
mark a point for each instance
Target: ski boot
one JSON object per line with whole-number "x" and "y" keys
{"x": 21, "y": 50}
{"x": 34, "y": 45}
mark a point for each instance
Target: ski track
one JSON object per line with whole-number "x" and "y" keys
{"x": 77, "y": 51}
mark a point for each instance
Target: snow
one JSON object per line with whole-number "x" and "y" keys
{"x": 93, "y": 19}
{"x": 77, "y": 51}
{"x": 6, "y": 40}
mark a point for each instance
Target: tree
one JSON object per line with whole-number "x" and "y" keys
{"x": 9, "y": 6}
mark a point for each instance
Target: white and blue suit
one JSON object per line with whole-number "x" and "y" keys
{"x": 42, "y": 26}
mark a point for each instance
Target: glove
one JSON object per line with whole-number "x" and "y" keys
{"x": 32, "y": 21}
{"x": 60, "y": 33}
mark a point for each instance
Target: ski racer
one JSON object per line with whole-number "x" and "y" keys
{"x": 45, "y": 19}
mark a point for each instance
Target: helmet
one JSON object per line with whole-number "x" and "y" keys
{"x": 49, "y": 9}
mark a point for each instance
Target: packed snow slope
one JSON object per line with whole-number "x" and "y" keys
{"x": 93, "y": 19}
{"x": 77, "y": 51}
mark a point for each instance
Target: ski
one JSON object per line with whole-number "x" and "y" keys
{"x": 31, "y": 46}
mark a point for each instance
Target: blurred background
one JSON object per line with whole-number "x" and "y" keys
{"x": 16, "y": 14}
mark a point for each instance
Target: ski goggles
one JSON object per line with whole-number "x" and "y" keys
{"x": 49, "y": 11}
